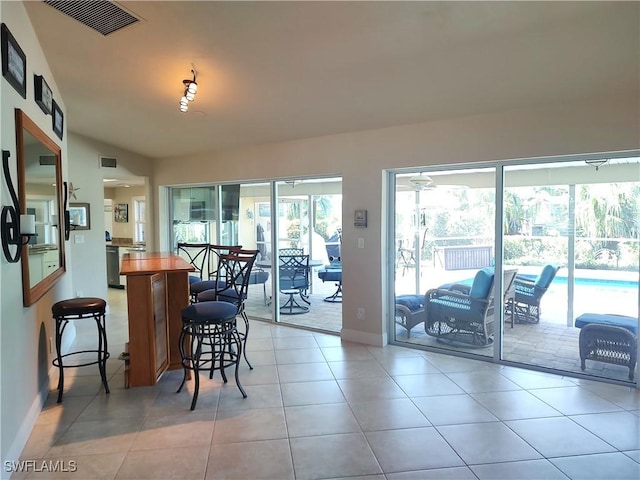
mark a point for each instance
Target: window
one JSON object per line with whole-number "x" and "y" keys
{"x": 139, "y": 215}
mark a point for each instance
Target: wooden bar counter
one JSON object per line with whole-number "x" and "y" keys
{"x": 157, "y": 291}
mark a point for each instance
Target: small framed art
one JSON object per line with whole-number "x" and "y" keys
{"x": 44, "y": 97}
{"x": 121, "y": 212}
{"x": 79, "y": 214}
{"x": 14, "y": 62}
{"x": 58, "y": 119}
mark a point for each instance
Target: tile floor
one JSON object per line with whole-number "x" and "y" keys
{"x": 319, "y": 408}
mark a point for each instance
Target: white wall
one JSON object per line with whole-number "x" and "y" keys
{"x": 24, "y": 332}
{"x": 595, "y": 125}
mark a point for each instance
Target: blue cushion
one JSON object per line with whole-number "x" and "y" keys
{"x": 546, "y": 276}
{"x": 412, "y": 302}
{"x": 210, "y": 311}
{"x": 258, "y": 277}
{"x": 212, "y": 295}
{"x": 203, "y": 285}
{"x": 194, "y": 279}
{"x": 630, "y": 323}
{"x": 482, "y": 283}
{"x": 330, "y": 274}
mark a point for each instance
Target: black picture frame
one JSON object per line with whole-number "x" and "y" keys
{"x": 43, "y": 94}
{"x": 57, "y": 119}
{"x": 14, "y": 62}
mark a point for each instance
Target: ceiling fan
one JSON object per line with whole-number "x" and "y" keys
{"x": 422, "y": 182}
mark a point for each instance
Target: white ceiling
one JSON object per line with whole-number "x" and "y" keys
{"x": 275, "y": 71}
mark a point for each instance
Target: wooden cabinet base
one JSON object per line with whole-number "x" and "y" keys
{"x": 155, "y": 300}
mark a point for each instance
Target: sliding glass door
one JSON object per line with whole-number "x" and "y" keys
{"x": 567, "y": 240}
{"x": 305, "y": 214}
{"x": 444, "y": 235}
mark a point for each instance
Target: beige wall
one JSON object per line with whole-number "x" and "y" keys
{"x": 24, "y": 332}
{"x": 89, "y": 262}
{"x": 595, "y": 125}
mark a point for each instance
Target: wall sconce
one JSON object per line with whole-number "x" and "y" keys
{"x": 15, "y": 228}
{"x": 190, "y": 89}
{"x": 67, "y": 216}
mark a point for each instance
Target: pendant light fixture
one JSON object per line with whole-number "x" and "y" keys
{"x": 190, "y": 89}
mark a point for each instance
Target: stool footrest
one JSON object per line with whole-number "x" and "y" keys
{"x": 93, "y": 362}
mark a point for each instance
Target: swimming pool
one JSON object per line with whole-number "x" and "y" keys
{"x": 592, "y": 282}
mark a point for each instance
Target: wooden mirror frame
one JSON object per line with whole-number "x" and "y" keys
{"x": 31, "y": 294}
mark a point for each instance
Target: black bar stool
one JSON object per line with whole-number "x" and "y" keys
{"x": 76, "y": 309}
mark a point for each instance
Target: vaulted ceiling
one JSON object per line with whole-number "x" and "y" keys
{"x": 277, "y": 71}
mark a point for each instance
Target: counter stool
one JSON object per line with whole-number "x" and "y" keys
{"x": 209, "y": 339}
{"x": 76, "y": 309}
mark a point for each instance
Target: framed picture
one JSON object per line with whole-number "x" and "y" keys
{"x": 58, "y": 119}
{"x": 80, "y": 216}
{"x": 14, "y": 62}
{"x": 44, "y": 97}
{"x": 121, "y": 212}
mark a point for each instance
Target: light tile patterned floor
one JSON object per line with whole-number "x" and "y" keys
{"x": 320, "y": 408}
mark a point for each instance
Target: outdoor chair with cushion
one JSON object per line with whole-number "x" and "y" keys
{"x": 294, "y": 280}
{"x": 333, "y": 273}
{"x": 462, "y": 317}
{"x": 608, "y": 338}
{"x": 529, "y": 292}
{"x": 260, "y": 276}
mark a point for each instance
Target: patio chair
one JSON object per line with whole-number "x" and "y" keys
{"x": 458, "y": 317}
{"x": 294, "y": 279}
{"x": 529, "y": 292}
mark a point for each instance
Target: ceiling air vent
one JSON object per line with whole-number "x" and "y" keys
{"x": 103, "y": 16}
{"x": 108, "y": 162}
{"x": 48, "y": 159}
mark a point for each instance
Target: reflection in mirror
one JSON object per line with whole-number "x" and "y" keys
{"x": 40, "y": 175}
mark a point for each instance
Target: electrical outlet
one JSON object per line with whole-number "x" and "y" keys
{"x": 78, "y": 238}
{"x": 360, "y": 313}
{"x": 360, "y": 242}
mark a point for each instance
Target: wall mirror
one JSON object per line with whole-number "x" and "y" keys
{"x": 40, "y": 192}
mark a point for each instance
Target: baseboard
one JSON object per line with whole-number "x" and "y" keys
{"x": 21, "y": 438}
{"x": 357, "y": 336}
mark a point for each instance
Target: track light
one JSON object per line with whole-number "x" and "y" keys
{"x": 190, "y": 89}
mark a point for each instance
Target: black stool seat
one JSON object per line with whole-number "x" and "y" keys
{"x": 78, "y": 306}
{"x": 76, "y": 309}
